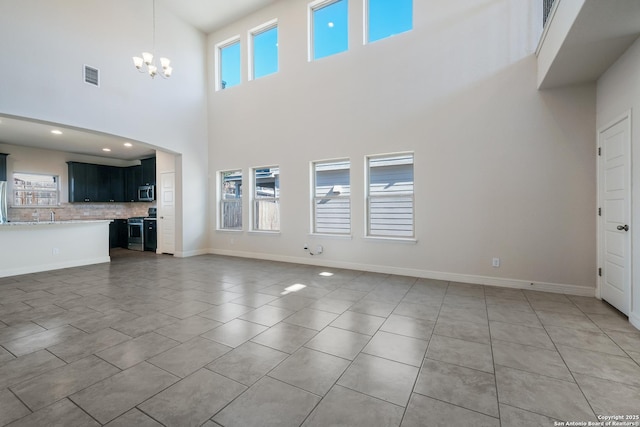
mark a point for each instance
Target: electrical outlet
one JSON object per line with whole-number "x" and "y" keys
{"x": 319, "y": 249}
{"x": 55, "y": 251}
{"x": 495, "y": 262}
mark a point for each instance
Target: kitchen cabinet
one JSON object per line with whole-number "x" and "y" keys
{"x": 102, "y": 183}
{"x": 150, "y": 235}
{"x": 110, "y": 183}
{"x": 118, "y": 234}
{"x": 132, "y": 180}
{"x": 83, "y": 182}
{"x": 3, "y": 167}
{"x": 148, "y": 171}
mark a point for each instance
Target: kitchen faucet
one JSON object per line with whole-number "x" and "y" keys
{"x": 53, "y": 216}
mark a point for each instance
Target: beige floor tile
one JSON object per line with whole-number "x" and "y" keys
{"x": 469, "y": 388}
{"x": 248, "y": 363}
{"x": 116, "y": 395}
{"x": 542, "y": 395}
{"x": 268, "y": 403}
{"x": 188, "y": 357}
{"x": 424, "y": 411}
{"x": 469, "y": 354}
{"x": 346, "y": 407}
{"x": 193, "y": 400}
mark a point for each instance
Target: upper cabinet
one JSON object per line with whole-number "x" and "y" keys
{"x": 101, "y": 183}
{"x": 83, "y": 182}
{"x": 3, "y": 167}
{"x": 132, "y": 180}
{"x": 148, "y": 171}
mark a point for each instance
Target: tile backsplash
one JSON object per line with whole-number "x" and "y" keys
{"x": 79, "y": 211}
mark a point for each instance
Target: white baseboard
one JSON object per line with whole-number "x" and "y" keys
{"x": 634, "y": 319}
{"x": 186, "y": 254}
{"x": 54, "y": 266}
{"x": 438, "y": 275}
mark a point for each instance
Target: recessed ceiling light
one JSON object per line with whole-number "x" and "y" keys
{"x": 106, "y": 149}
{"x": 56, "y": 132}
{"x": 128, "y": 144}
{"x": 330, "y": 24}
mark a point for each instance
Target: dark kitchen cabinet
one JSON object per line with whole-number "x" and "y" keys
{"x": 148, "y": 171}
{"x": 132, "y": 180}
{"x": 83, "y": 182}
{"x": 102, "y": 183}
{"x": 110, "y": 184}
{"x": 3, "y": 167}
{"x": 150, "y": 235}
{"x": 118, "y": 234}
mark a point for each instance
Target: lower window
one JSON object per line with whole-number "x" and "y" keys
{"x": 231, "y": 200}
{"x": 390, "y": 202}
{"x": 266, "y": 199}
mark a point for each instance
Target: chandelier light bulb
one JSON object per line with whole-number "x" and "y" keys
{"x": 138, "y": 62}
{"x": 147, "y": 57}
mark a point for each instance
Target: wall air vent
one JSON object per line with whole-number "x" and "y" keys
{"x": 92, "y": 76}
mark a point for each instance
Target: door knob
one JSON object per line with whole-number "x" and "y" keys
{"x": 623, "y": 227}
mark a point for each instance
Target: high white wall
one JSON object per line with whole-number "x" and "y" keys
{"x": 45, "y": 46}
{"x": 501, "y": 169}
{"x": 618, "y": 93}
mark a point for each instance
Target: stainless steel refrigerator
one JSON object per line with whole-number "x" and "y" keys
{"x": 3, "y": 202}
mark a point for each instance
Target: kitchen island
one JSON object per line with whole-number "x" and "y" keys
{"x": 29, "y": 247}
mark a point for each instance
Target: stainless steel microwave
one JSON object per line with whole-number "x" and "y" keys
{"x": 146, "y": 193}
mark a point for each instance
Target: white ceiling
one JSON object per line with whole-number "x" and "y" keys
{"x": 30, "y": 133}
{"x": 602, "y": 31}
{"x": 210, "y": 15}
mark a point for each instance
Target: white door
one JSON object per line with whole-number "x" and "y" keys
{"x": 167, "y": 214}
{"x": 614, "y": 188}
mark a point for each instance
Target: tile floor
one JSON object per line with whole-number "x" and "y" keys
{"x": 152, "y": 340}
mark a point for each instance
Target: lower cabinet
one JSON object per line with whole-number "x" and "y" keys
{"x": 150, "y": 235}
{"x": 118, "y": 237}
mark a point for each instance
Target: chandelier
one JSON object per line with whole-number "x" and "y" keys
{"x": 147, "y": 58}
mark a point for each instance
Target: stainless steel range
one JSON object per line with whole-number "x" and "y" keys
{"x": 136, "y": 232}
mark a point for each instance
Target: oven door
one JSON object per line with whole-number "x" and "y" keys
{"x": 135, "y": 235}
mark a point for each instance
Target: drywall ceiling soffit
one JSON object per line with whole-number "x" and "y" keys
{"x": 601, "y": 33}
{"x": 211, "y": 15}
{"x": 36, "y": 134}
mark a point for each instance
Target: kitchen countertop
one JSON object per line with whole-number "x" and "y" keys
{"x": 73, "y": 221}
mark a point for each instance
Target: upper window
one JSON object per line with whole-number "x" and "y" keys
{"x": 331, "y": 197}
{"x": 390, "y": 196}
{"x": 385, "y": 18}
{"x": 328, "y": 29}
{"x": 35, "y": 190}
{"x": 231, "y": 200}
{"x": 266, "y": 199}
{"x": 264, "y": 50}
{"x": 228, "y": 56}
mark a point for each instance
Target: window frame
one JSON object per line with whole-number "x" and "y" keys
{"x": 366, "y": 24}
{"x": 222, "y": 201}
{"x": 315, "y": 198}
{"x": 218, "y": 60}
{"x": 255, "y": 199}
{"x": 311, "y": 8}
{"x": 15, "y": 190}
{"x": 368, "y": 197}
{"x": 256, "y": 31}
